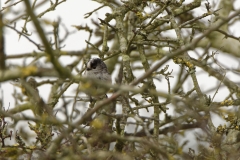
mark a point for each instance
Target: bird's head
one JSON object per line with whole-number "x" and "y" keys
{"x": 96, "y": 64}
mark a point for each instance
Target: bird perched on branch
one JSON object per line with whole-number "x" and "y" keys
{"x": 29, "y": 88}
{"x": 97, "y": 71}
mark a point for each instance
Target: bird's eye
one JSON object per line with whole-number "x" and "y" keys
{"x": 94, "y": 64}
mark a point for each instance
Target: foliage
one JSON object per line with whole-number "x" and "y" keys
{"x": 153, "y": 69}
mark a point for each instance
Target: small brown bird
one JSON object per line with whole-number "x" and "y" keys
{"x": 29, "y": 88}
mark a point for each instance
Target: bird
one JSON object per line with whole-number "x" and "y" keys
{"x": 29, "y": 88}
{"x": 96, "y": 69}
